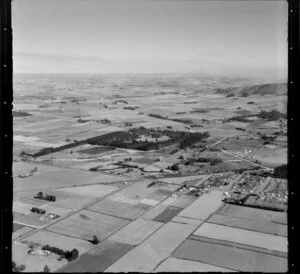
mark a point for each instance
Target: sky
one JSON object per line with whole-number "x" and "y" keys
{"x": 222, "y": 38}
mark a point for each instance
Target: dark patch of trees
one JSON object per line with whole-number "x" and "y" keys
{"x": 175, "y": 167}
{"x": 193, "y": 138}
{"x": 82, "y": 121}
{"x": 17, "y": 268}
{"x": 267, "y": 137}
{"x": 128, "y": 139}
{"x": 121, "y": 101}
{"x": 20, "y": 114}
{"x": 129, "y": 108}
{"x": 158, "y": 116}
{"x": 38, "y": 210}
{"x": 47, "y": 197}
{"x": 68, "y": 255}
{"x": 182, "y": 120}
{"x": 272, "y": 115}
{"x": 46, "y": 269}
{"x": 238, "y": 119}
{"x": 230, "y": 95}
{"x": 280, "y": 172}
{"x": 95, "y": 240}
{"x": 49, "y": 150}
{"x": 211, "y": 161}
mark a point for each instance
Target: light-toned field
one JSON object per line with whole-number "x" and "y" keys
{"x": 20, "y": 231}
{"x": 183, "y": 220}
{"x": 136, "y": 231}
{"x": 32, "y": 219}
{"x": 204, "y": 206}
{"x": 242, "y": 236}
{"x": 140, "y": 259}
{"x": 93, "y": 190}
{"x": 22, "y": 208}
{"x": 55, "y": 177}
{"x": 85, "y": 224}
{"x": 168, "y": 237}
{"x": 69, "y": 200}
{"x": 180, "y": 265}
{"x": 125, "y": 210}
{"x": 259, "y": 226}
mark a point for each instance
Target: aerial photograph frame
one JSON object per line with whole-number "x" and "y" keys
{"x": 109, "y": 168}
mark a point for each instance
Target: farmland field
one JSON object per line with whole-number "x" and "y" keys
{"x": 142, "y": 168}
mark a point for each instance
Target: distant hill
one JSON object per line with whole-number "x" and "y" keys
{"x": 265, "y": 89}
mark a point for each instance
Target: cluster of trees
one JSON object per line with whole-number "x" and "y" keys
{"x": 129, "y": 139}
{"x": 280, "y": 172}
{"x": 242, "y": 119}
{"x": 95, "y": 240}
{"x": 267, "y": 138}
{"x": 20, "y": 114}
{"x": 77, "y": 100}
{"x": 38, "y": 210}
{"x": 182, "y": 120}
{"x": 211, "y": 161}
{"x": 49, "y": 150}
{"x": 174, "y": 167}
{"x": 158, "y": 116}
{"x": 192, "y": 138}
{"x": 230, "y": 95}
{"x": 130, "y": 108}
{"x": 68, "y": 255}
{"x": 17, "y": 268}
{"x": 272, "y": 115}
{"x": 121, "y": 101}
{"x": 46, "y": 269}
{"x": 47, "y": 197}
{"x": 82, "y": 121}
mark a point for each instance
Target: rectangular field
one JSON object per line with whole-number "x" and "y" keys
{"x": 246, "y": 237}
{"x": 254, "y": 214}
{"x": 204, "y": 206}
{"x": 98, "y": 258}
{"x": 120, "y": 209}
{"x": 180, "y": 265}
{"x": 92, "y": 190}
{"x": 139, "y": 259}
{"x": 85, "y": 224}
{"x": 55, "y": 177}
{"x": 259, "y": 226}
{"x": 136, "y": 231}
{"x": 229, "y": 257}
{"x": 168, "y": 237}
